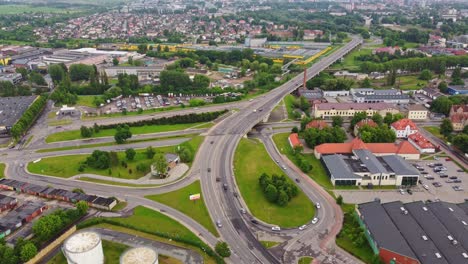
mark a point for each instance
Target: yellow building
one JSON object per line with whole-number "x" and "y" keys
{"x": 329, "y": 110}
{"x": 417, "y": 112}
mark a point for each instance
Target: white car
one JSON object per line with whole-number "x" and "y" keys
{"x": 315, "y": 220}
{"x": 402, "y": 191}
{"x": 317, "y": 205}
{"x": 275, "y": 228}
{"x": 426, "y": 187}
{"x": 218, "y": 223}
{"x": 302, "y": 227}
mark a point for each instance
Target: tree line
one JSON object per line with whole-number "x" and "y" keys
{"x": 29, "y": 116}
{"x": 278, "y": 189}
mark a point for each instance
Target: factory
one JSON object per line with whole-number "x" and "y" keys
{"x": 69, "y": 57}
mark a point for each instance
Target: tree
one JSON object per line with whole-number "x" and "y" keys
{"x": 150, "y": 152}
{"x": 160, "y": 164}
{"x": 80, "y": 72}
{"x": 442, "y": 105}
{"x": 391, "y": 78}
{"x": 23, "y": 71}
{"x": 113, "y": 158}
{"x": 56, "y": 72}
{"x": 99, "y": 160}
{"x": 115, "y": 61}
{"x": 456, "y": 77}
{"x": 82, "y": 207}
{"x": 339, "y": 200}
{"x": 460, "y": 141}
{"x": 446, "y": 127}
{"x": 201, "y": 82}
{"x": 28, "y": 251}
{"x": 377, "y": 118}
{"x": 366, "y": 83}
{"x": 86, "y": 132}
{"x": 130, "y": 153}
{"x": 7, "y": 255}
{"x": 425, "y": 75}
{"x": 295, "y": 130}
{"x": 222, "y": 248}
{"x": 283, "y": 198}
{"x": 443, "y": 87}
{"x": 96, "y": 128}
{"x": 357, "y": 117}
{"x": 271, "y": 193}
{"x": 122, "y": 134}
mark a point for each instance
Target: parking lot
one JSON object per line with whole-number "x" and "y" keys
{"x": 445, "y": 192}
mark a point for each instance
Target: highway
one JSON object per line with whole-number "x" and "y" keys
{"x": 219, "y": 156}
{"x": 216, "y": 153}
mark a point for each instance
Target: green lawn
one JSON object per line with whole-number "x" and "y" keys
{"x": 87, "y": 179}
{"x": 289, "y": 101}
{"x": 434, "y": 130}
{"x": 305, "y": 260}
{"x": 120, "y": 206}
{"x": 86, "y": 100}
{"x": 349, "y": 62}
{"x": 269, "y": 244}
{"x": 112, "y": 252}
{"x": 250, "y": 161}
{"x": 180, "y": 200}
{"x": 67, "y": 166}
{"x": 2, "y": 170}
{"x": 76, "y": 134}
{"x": 317, "y": 173}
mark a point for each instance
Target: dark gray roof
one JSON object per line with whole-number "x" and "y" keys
{"x": 451, "y": 217}
{"x": 171, "y": 157}
{"x": 437, "y": 232}
{"x": 399, "y": 165}
{"x": 370, "y": 161}
{"x": 423, "y": 247}
{"x": 382, "y": 229}
{"x": 383, "y": 96}
{"x": 338, "y": 167}
{"x": 12, "y": 108}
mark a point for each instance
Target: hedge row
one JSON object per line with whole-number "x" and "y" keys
{"x": 200, "y": 245}
{"x": 178, "y": 119}
{"x": 27, "y": 119}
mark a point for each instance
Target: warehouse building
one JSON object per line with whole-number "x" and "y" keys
{"x": 20, "y": 216}
{"x": 11, "y": 110}
{"x": 416, "y": 232}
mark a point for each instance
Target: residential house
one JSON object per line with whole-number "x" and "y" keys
{"x": 403, "y": 128}
{"x": 459, "y": 117}
{"x": 421, "y": 143}
{"x": 294, "y": 141}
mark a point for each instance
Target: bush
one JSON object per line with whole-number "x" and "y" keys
{"x": 277, "y": 189}
{"x": 142, "y": 167}
{"x": 99, "y": 160}
{"x": 222, "y": 248}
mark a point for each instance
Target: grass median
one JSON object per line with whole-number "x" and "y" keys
{"x": 76, "y": 134}
{"x": 250, "y": 161}
{"x": 2, "y": 170}
{"x": 196, "y": 209}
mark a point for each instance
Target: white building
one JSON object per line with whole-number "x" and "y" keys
{"x": 403, "y": 128}
{"x": 84, "y": 248}
{"x": 421, "y": 143}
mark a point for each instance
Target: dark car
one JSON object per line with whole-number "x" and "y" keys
{"x": 225, "y": 186}
{"x": 297, "y": 180}
{"x": 443, "y": 175}
{"x": 424, "y": 172}
{"x": 211, "y": 142}
{"x": 254, "y": 221}
{"x": 453, "y": 177}
{"x": 218, "y": 179}
{"x": 460, "y": 170}
{"x": 457, "y": 181}
{"x": 409, "y": 191}
{"x": 430, "y": 178}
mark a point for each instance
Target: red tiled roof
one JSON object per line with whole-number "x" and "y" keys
{"x": 332, "y": 148}
{"x": 420, "y": 140}
{"x": 294, "y": 139}
{"x": 320, "y": 124}
{"x": 458, "y": 118}
{"x": 403, "y": 123}
{"x": 367, "y": 121}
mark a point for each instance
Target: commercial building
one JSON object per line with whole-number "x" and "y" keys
{"x": 417, "y": 112}
{"x": 384, "y": 98}
{"x": 58, "y": 194}
{"x": 69, "y": 57}
{"x": 171, "y": 159}
{"x": 403, "y": 128}
{"x": 143, "y": 73}
{"x": 255, "y": 42}
{"x": 457, "y": 89}
{"x": 351, "y": 75}
{"x": 459, "y": 117}
{"x": 362, "y": 167}
{"x": 11, "y": 110}
{"x": 416, "y": 232}
{"x": 328, "y": 110}
{"x": 403, "y": 149}
{"x": 421, "y": 143}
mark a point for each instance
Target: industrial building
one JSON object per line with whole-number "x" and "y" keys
{"x": 58, "y": 194}
{"x": 142, "y": 72}
{"x": 11, "y": 110}
{"x": 329, "y": 110}
{"x": 416, "y": 232}
{"x": 23, "y": 214}
{"x": 364, "y": 168}
{"x": 369, "y": 95}
{"x": 14, "y": 78}
{"x": 69, "y": 57}
{"x": 139, "y": 255}
{"x": 84, "y": 248}
{"x": 458, "y": 89}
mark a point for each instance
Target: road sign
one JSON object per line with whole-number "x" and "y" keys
{"x": 194, "y": 197}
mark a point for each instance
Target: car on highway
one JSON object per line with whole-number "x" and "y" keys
{"x": 218, "y": 179}
{"x": 242, "y": 210}
{"x": 277, "y": 161}
{"x": 284, "y": 167}
{"x": 275, "y": 228}
{"x": 315, "y": 220}
{"x": 402, "y": 192}
{"x": 211, "y": 142}
{"x": 225, "y": 186}
{"x": 317, "y": 205}
{"x": 255, "y": 110}
{"x": 254, "y": 221}
{"x": 302, "y": 227}
{"x": 218, "y": 223}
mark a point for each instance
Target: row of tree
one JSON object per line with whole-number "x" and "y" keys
{"x": 278, "y": 189}
{"x": 29, "y": 116}
{"x": 379, "y": 134}
{"x": 314, "y": 136}
{"x": 443, "y": 104}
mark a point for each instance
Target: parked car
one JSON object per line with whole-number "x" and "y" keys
{"x": 317, "y": 205}
{"x": 409, "y": 191}
{"x": 302, "y": 227}
{"x": 429, "y": 178}
{"x": 218, "y": 223}
{"x": 449, "y": 181}
{"x": 275, "y": 228}
{"x": 460, "y": 170}
{"x": 426, "y": 187}
{"x": 457, "y": 188}
{"x": 315, "y": 220}
{"x": 457, "y": 181}
{"x": 447, "y": 159}
{"x": 437, "y": 184}
{"x": 453, "y": 177}
{"x": 443, "y": 175}
{"x": 209, "y": 169}
{"x": 424, "y": 172}
{"x": 402, "y": 191}
{"x": 218, "y": 179}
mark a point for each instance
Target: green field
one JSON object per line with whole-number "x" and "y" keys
{"x": 76, "y": 134}
{"x": 269, "y": 244}
{"x": 434, "y": 130}
{"x": 317, "y": 173}
{"x": 2, "y": 170}
{"x": 179, "y": 200}
{"x": 20, "y": 9}
{"x": 112, "y": 252}
{"x": 407, "y": 82}
{"x": 305, "y": 260}
{"x": 86, "y": 100}
{"x": 349, "y": 62}
{"x": 250, "y": 161}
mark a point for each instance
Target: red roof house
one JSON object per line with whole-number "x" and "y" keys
{"x": 421, "y": 143}
{"x": 294, "y": 140}
{"x": 404, "y": 127}
{"x": 320, "y": 124}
